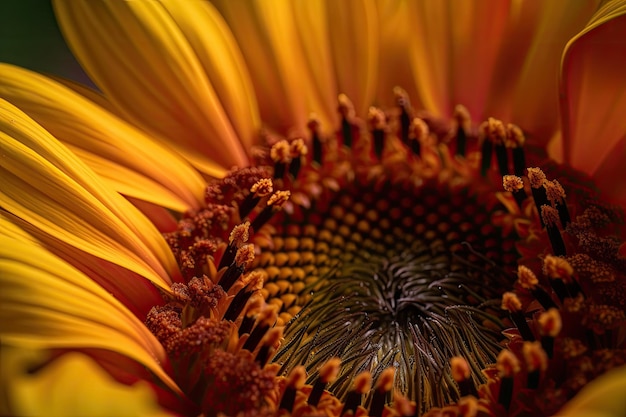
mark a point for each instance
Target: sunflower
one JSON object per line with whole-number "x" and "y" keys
{"x": 251, "y": 218}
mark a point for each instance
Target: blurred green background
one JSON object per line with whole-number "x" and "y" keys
{"x": 30, "y": 38}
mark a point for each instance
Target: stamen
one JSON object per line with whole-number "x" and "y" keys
{"x": 274, "y": 204}
{"x": 556, "y": 196}
{"x": 550, "y": 325}
{"x": 383, "y": 386}
{"x": 327, "y": 374}
{"x": 316, "y": 139}
{"x": 463, "y": 121}
{"x": 295, "y": 381}
{"x": 515, "y": 186}
{"x": 267, "y": 318}
{"x": 402, "y": 100}
{"x": 346, "y": 109}
{"x": 528, "y": 280}
{"x": 537, "y": 178}
{"x": 259, "y": 189}
{"x": 270, "y": 343}
{"x": 516, "y": 137}
{"x": 243, "y": 257}
{"x": 378, "y": 123}
{"x": 419, "y": 134}
{"x": 238, "y": 236}
{"x": 497, "y": 134}
{"x": 255, "y": 283}
{"x": 362, "y": 384}
{"x": 512, "y": 304}
{"x": 536, "y": 362}
{"x": 561, "y": 276}
{"x": 551, "y": 220}
{"x": 508, "y": 366}
{"x": 461, "y": 374}
{"x": 486, "y": 149}
{"x": 281, "y": 156}
{"x": 297, "y": 150}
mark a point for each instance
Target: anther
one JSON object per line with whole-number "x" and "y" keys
{"x": 243, "y": 257}
{"x": 486, "y": 148}
{"x": 402, "y": 100}
{"x": 556, "y": 196}
{"x": 259, "y": 189}
{"x": 274, "y": 204}
{"x": 255, "y": 283}
{"x": 463, "y": 121}
{"x": 280, "y": 153}
{"x": 550, "y": 325}
{"x": 528, "y": 280}
{"x": 346, "y": 109}
{"x": 316, "y": 139}
{"x": 267, "y": 318}
{"x": 238, "y": 236}
{"x": 270, "y": 343}
{"x": 496, "y": 132}
{"x": 561, "y": 275}
{"x": 297, "y": 150}
{"x": 295, "y": 381}
{"x": 536, "y": 361}
{"x": 512, "y": 304}
{"x": 384, "y": 385}
{"x": 508, "y": 366}
{"x": 515, "y": 186}
{"x": 362, "y": 384}
{"x": 536, "y": 177}
{"x": 516, "y": 137}
{"x": 461, "y": 374}
{"x": 551, "y": 220}
{"x": 378, "y": 123}
{"x": 419, "y": 134}
{"x": 327, "y": 374}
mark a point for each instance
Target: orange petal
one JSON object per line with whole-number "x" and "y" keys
{"x": 72, "y": 385}
{"x": 170, "y": 67}
{"x": 47, "y": 186}
{"x": 47, "y": 304}
{"x": 593, "y": 98}
{"x": 135, "y": 164}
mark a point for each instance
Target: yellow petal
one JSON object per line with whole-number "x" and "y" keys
{"x": 132, "y": 162}
{"x": 170, "y": 67}
{"x": 48, "y": 304}
{"x": 72, "y": 385}
{"x": 602, "y": 397}
{"x": 593, "y": 97}
{"x": 47, "y": 186}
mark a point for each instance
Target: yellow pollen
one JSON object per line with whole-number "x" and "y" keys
{"x": 507, "y": 363}
{"x": 460, "y": 369}
{"x": 554, "y": 192}
{"x": 462, "y": 117}
{"x": 402, "y": 98}
{"x": 515, "y": 135}
{"x": 550, "y": 323}
{"x": 556, "y": 267}
{"x": 526, "y": 277}
{"x": 534, "y": 356}
{"x": 297, "y": 148}
{"x": 245, "y": 255}
{"x": 297, "y": 377}
{"x": 362, "y": 382}
{"x": 550, "y": 216}
{"x": 510, "y": 302}
{"x": 512, "y": 183}
{"x": 346, "y": 108}
{"x": 536, "y": 177}
{"x": 281, "y": 152}
{"x": 495, "y": 131}
{"x": 240, "y": 234}
{"x": 376, "y": 118}
{"x": 262, "y": 187}
{"x": 419, "y": 130}
{"x": 385, "y": 380}
{"x": 278, "y": 199}
{"x": 329, "y": 371}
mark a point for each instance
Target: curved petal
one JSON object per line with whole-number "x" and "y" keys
{"x": 593, "y": 99}
{"x": 56, "y": 390}
{"x": 48, "y": 304}
{"x": 602, "y": 397}
{"x": 47, "y": 186}
{"x": 132, "y": 162}
{"x": 304, "y": 54}
{"x": 170, "y": 67}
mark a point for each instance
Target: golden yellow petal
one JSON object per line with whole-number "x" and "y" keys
{"x": 593, "y": 94}
{"x": 111, "y": 146}
{"x": 48, "y": 304}
{"x": 47, "y": 186}
{"x": 72, "y": 385}
{"x": 602, "y": 397}
{"x": 149, "y": 58}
